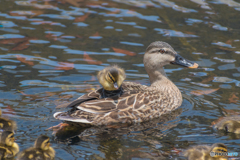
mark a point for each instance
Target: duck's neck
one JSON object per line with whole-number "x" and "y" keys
{"x": 159, "y": 79}
{"x": 157, "y": 76}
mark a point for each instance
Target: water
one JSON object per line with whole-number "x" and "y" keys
{"x": 44, "y": 60}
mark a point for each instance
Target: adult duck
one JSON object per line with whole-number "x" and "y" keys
{"x": 138, "y": 102}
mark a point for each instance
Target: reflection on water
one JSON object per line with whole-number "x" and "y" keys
{"x": 51, "y": 51}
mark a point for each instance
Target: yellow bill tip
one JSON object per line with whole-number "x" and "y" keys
{"x": 195, "y": 65}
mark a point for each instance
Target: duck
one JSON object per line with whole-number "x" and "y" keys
{"x": 8, "y": 148}
{"x": 229, "y": 124}
{"x": 205, "y": 152}
{"x": 6, "y": 124}
{"x": 40, "y": 151}
{"x": 138, "y": 103}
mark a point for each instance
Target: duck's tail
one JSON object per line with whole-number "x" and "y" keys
{"x": 65, "y": 116}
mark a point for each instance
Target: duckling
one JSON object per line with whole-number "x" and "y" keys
{"x": 229, "y": 124}
{"x": 7, "y": 125}
{"x": 8, "y": 148}
{"x": 111, "y": 78}
{"x": 204, "y": 152}
{"x": 40, "y": 151}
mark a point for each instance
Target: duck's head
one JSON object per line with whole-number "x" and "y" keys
{"x": 230, "y": 126}
{"x": 42, "y": 142}
{"x": 111, "y": 78}
{"x": 218, "y": 148}
{"x": 7, "y": 138}
{"x": 161, "y": 53}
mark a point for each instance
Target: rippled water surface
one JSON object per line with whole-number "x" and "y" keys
{"x": 51, "y": 51}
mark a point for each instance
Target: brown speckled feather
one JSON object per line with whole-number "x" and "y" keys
{"x": 86, "y": 97}
{"x": 137, "y": 103}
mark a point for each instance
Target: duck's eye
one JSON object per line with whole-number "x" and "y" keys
{"x": 162, "y": 51}
{"x": 47, "y": 143}
{"x": 226, "y": 128}
{"x": 110, "y": 78}
{"x": 12, "y": 136}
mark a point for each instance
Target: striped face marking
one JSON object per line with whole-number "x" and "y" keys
{"x": 11, "y": 137}
{"x": 110, "y": 77}
{"x": 220, "y": 149}
{"x": 45, "y": 145}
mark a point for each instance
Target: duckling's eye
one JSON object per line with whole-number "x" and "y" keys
{"x": 111, "y": 78}
{"x": 12, "y": 136}
{"x": 226, "y": 128}
{"x": 162, "y": 51}
{"x": 47, "y": 143}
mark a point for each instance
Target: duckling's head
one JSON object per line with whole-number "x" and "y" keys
{"x": 161, "y": 53}
{"x": 231, "y": 126}
{"x": 111, "y": 78}
{"x": 7, "y": 138}
{"x": 218, "y": 148}
{"x": 42, "y": 142}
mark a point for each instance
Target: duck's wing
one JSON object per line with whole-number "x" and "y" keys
{"x": 86, "y": 97}
{"x": 136, "y": 87}
{"x": 101, "y": 111}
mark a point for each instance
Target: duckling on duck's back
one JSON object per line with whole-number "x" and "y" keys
{"x": 111, "y": 78}
{"x": 40, "y": 151}
{"x": 138, "y": 102}
{"x": 8, "y": 148}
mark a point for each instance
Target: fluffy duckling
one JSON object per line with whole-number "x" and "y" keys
{"x": 7, "y": 125}
{"x": 111, "y": 78}
{"x": 204, "y": 152}
{"x": 229, "y": 124}
{"x": 8, "y": 148}
{"x": 40, "y": 151}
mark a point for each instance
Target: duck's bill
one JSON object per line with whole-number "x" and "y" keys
{"x": 179, "y": 60}
{"x": 115, "y": 85}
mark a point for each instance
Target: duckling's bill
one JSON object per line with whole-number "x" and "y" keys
{"x": 179, "y": 60}
{"x": 115, "y": 85}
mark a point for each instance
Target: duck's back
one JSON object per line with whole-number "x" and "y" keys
{"x": 197, "y": 152}
{"x": 138, "y": 103}
{"x": 34, "y": 154}
{"x": 7, "y": 125}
